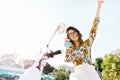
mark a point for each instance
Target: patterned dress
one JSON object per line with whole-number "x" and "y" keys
{"x": 81, "y": 57}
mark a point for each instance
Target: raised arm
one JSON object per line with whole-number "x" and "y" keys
{"x": 98, "y": 8}
{"x": 95, "y": 23}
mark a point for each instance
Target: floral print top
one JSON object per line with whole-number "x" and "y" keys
{"x": 83, "y": 54}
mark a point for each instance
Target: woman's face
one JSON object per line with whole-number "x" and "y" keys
{"x": 73, "y": 35}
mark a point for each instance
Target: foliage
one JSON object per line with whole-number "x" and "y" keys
{"x": 97, "y": 63}
{"x": 8, "y": 59}
{"x": 111, "y": 66}
{"x": 60, "y": 73}
{"x": 15, "y": 60}
{"x": 25, "y": 63}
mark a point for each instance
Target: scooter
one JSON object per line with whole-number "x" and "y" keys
{"x": 37, "y": 70}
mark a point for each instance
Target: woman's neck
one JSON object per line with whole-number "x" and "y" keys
{"x": 77, "y": 44}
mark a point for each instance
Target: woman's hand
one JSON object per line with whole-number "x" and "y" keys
{"x": 67, "y": 40}
{"x": 100, "y": 2}
{"x": 99, "y": 7}
{"x": 67, "y": 43}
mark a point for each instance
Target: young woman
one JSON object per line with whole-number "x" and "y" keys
{"x": 79, "y": 52}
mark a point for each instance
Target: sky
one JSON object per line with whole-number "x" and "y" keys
{"x": 27, "y": 25}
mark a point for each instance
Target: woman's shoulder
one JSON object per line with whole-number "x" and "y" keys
{"x": 86, "y": 42}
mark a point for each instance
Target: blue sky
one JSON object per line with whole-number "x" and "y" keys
{"x": 27, "y": 25}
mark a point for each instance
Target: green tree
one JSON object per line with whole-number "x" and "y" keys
{"x": 60, "y": 73}
{"x": 111, "y": 66}
{"x": 97, "y": 63}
